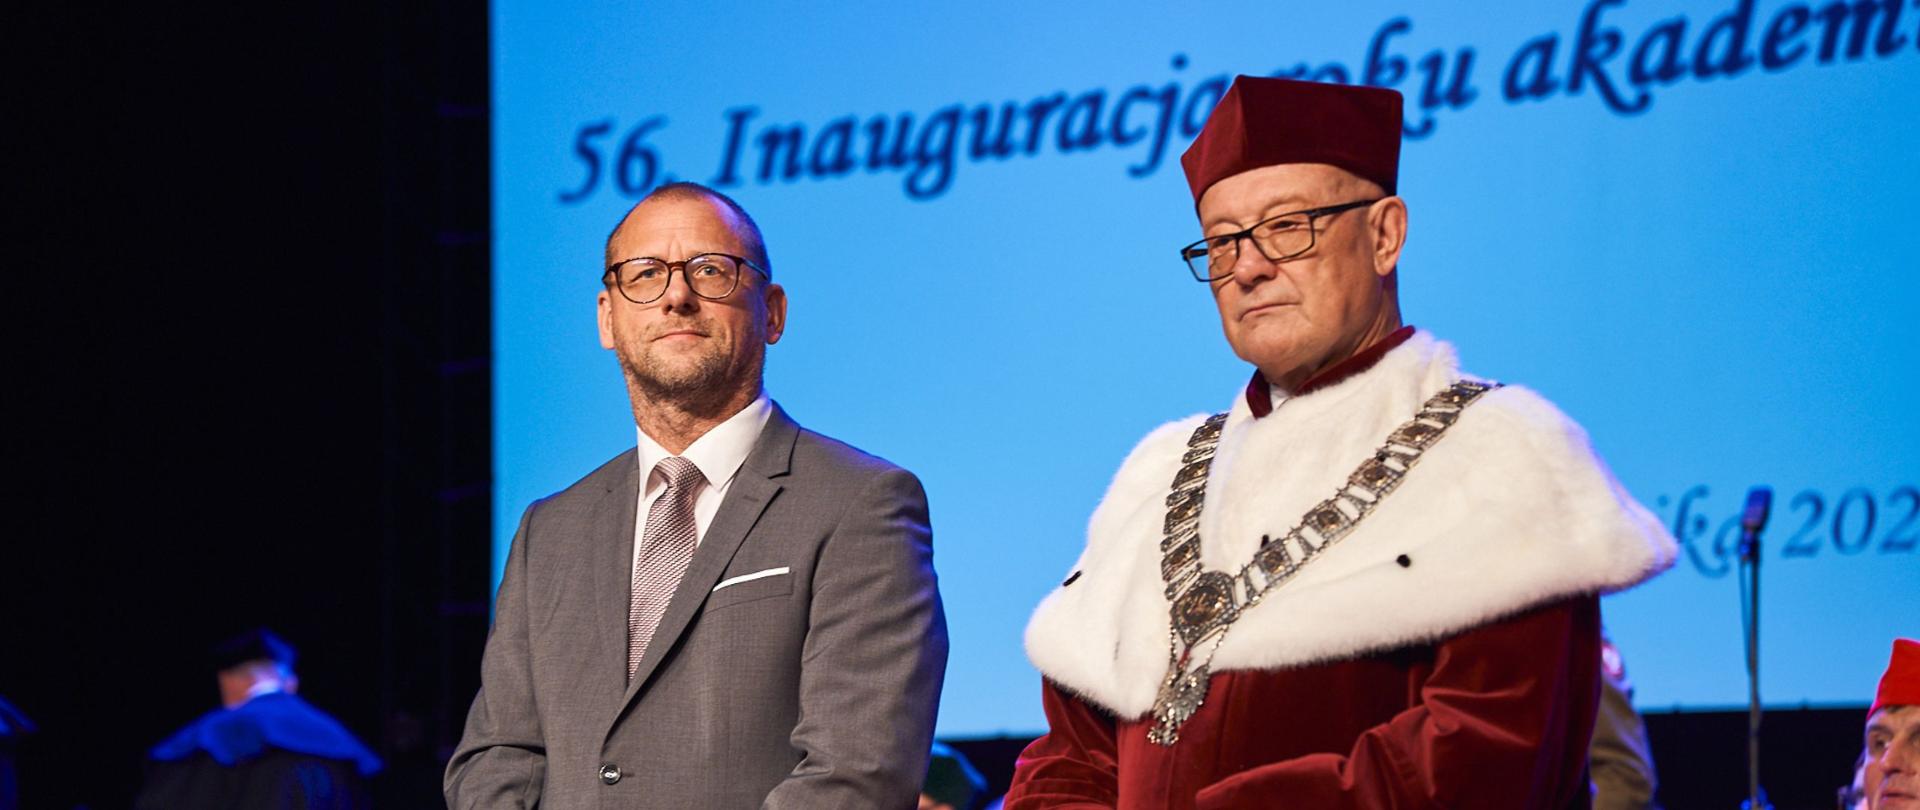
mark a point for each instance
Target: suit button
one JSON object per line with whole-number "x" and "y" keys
{"x": 609, "y": 774}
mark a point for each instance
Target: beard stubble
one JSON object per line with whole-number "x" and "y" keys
{"x": 695, "y": 383}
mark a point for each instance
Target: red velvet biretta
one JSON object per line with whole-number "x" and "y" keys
{"x": 1901, "y": 685}
{"x": 1265, "y": 122}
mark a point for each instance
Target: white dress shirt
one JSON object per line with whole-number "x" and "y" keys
{"x": 718, "y": 453}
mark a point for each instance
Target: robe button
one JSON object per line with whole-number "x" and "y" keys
{"x": 1404, "y": 561}
{"x": 609, "y": 774}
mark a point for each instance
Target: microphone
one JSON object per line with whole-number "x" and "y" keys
{"x": 1753, "y": 519}
{"x": 1759, "y": 501}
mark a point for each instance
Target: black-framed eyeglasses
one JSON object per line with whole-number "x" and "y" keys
{"x": 712, "y": 276}
{"x": 1278, "y": 238}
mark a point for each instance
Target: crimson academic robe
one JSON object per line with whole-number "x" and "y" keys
{"x": 1422, "y": 726}
{"x": 1444, "y": 654}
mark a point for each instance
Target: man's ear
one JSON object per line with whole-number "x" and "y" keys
{"x": 604, "y": 304}
{"x": 775, "y": 297}
{"x": 1387, "y": 219}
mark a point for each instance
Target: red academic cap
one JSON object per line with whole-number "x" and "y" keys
{"x": 1265, "y": 122}
{"x": 1901, "y": 685}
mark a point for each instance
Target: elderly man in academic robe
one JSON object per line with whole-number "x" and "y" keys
{"x": 1374, "y": 580}
{"x": 1890, "y": 766}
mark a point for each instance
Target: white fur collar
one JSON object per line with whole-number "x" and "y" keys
{"x": 1511, "y": 509}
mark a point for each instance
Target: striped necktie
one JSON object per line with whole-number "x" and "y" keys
{"x": 666, "y": 546}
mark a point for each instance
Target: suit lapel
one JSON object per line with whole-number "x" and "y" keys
{"x": 613, "y": 529}
{"x": 753, "y": 488}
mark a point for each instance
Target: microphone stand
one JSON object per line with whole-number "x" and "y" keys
{"x": 1750, "y": 558}
{"x": 1759, "y": 501}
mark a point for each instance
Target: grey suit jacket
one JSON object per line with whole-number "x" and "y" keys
{"x": 814, "y": 687}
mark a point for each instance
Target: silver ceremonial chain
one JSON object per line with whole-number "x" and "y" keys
{"x": 1204, "y": 604}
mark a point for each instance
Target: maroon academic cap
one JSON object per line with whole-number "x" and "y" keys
{"x": 1265, "y": 122}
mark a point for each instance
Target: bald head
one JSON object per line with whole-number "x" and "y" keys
{"x": 754, "y": 246}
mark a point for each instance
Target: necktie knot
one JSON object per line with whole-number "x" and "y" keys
{"x": 680, "y": 473}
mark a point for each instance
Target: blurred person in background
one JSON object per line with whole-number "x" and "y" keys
{"x": 1890, "y": 779}
{"x": 1620, "y": 759}
{"x": 264, "y": 748}
{"x": 952, "y": 782}
{"x": 14, "y": 727}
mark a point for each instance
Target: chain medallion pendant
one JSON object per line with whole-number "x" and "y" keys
{"x": 1203, "y": 605}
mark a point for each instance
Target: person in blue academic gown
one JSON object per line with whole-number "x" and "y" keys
{"x": 264, "y": 749}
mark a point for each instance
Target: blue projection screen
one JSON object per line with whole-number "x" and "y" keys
{"x": 1690, "y": 224}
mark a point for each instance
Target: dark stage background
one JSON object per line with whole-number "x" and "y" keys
{"x": 248, "y": 296}
{"x": 249, "y": 373}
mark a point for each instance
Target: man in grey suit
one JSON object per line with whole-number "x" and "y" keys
{"x": 736, "y": 613}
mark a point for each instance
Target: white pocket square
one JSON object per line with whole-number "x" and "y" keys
{"x": 732, "y": 581}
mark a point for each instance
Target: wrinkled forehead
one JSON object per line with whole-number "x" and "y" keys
{"x": 1256, "y": 193}
{"x": 1895, "y": 720}
{"x": 679, "y": 224}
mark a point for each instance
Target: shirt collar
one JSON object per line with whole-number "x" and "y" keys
{"x": 1262, "y": 397}
{"x": 719, "y": 452}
